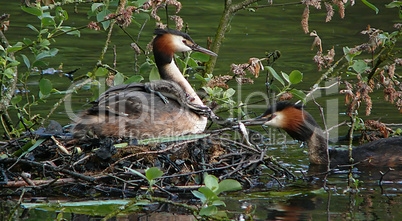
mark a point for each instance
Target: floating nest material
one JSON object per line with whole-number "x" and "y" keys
{"x": 58, "y": 165}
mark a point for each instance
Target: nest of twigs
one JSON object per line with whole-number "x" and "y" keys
{"x": 63, "y": 166}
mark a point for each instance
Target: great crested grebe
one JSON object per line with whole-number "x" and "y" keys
{"x": 300, "y": 125}
{"x": 169, "y": 107}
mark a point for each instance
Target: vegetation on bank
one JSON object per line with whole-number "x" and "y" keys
{"x": 375, "y": 64}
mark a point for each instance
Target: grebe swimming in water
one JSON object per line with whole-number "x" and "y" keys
{"x": 300, "y": 125}
{"x": 162, "y": 108}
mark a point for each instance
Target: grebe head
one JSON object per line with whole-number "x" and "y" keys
{"x": 300, "y": 125}
{"x": 165, "y": 44}
{"x": 169, "y": 41}
{"x": 290, "y": 117}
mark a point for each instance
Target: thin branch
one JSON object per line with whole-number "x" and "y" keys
{"x": 318, "y": 88}
{"x": 276, "y": 5}
{"x": 53, "y": 168}
{"x": 329, "y": 71}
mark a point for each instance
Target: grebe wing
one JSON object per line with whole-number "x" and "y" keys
{"x": 129, "y": 99}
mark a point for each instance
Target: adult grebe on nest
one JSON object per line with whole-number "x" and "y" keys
{"x": 169, "y": 107}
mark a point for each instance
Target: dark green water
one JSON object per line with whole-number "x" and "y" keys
{"x": 251, "y": 35}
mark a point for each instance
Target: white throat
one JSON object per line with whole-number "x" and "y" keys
{"x": 277, "y": 121}
{"x": 174, "y": 74}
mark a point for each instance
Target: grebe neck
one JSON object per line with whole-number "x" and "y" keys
{"x": 318, "y": 147}
{"x": 170, "y": 71}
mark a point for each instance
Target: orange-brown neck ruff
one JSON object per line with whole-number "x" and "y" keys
{"x": 299, "y": 124}
{"x": 163, "y": 50}
{"x": 294, "y": 125}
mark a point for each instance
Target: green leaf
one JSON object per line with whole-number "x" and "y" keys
{"x": 199, "y": 195}
{"x": 179, "y": 62}
{"x": 285, "y": 76}
{"x": 229, "y": 93}
{"x": 32, "y": 28}
{"x": 46, "y": 21}
{"x": 394, "y": 4}
{"x": 208, "y": 193}
{"x": 136, "y": 172}
{"x": 44, "y": 43}
{"x": 299, "y": 94}
{"x": 171, "y": 139}
{"x": 44, "y": 31}
{"x": 134, "y": 79}
{"x": 9, "y": 72}
{"x": 218, "y": 203}
{"x": 51, "y": 53}
{"x": 45, "y": 86}
{"x": 346, "y": 52}
{"x": 211, "y": 182}
{"x": 145, "y": 68}
{"x": 228, "y": 185}
{"x": 371, "y": 6}
{"x": 26, "y": 61}
{"x": 295, "y": 77}
{"x": 101, "y": 16}
{"x": 12, "y": 63}
{"x": 153, "y": 173}
{"x": 201, "y": 78}
{"x": 208, "y": 211}
{"x": 275, "y": 75}
{"x": 154, "y": 74}
{"x": 275, "y": 88}
{"x": 101, "y": 72}
{"x": 360, "y": 66}
{"x": 27, "y": 41}
{"x": 69, "y": 32}
{"x": 32, "y": 10}
{"x": 118, "y": 79}
{"x": 221, "y": 214}
{"x": 28, "y": 147}
{"x": 76, "y": 33}
{"x": 16, "y": 47}
{"x": 16, "y": 99}
{"x": 192, "y": 63}
{"x": 216, "y": 91}
{"x": 39, "y": 64}
{"x": 95, "y": 6}
{"x": 120, "y": 145}
{"x": 200, "y": 56}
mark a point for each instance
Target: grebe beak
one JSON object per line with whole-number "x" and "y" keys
{"x": 261, "y": 120}
{"x": 198, "y": 48}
